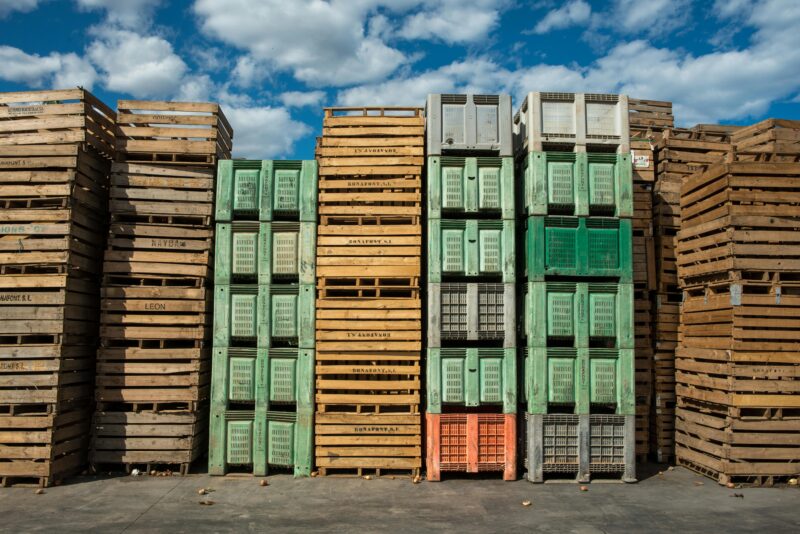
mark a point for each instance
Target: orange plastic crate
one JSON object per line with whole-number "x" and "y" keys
{"x": 471, "y": 443}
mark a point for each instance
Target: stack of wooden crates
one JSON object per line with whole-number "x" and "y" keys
{"x": 55, "y": 150}
{"x": 368, "y": 323}
{"x": 153, "y": 365}
{"x": 263, "y": 370}
{"x": 471, "y": 419}
{"x": 679, "y": 154}
{"x": 738, "y": 360}
{"x": 647, "y": 119}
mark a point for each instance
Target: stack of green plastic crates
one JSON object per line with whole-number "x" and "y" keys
{"x": 578, "y": 311}
{"x": 263, "y": 360}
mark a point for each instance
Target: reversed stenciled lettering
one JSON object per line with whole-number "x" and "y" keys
{"x": 368, "y": 334}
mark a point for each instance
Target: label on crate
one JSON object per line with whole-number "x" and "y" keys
{"x": 384, "y": 429}
{"x": 371, "y": 371}
{"x": 22, "y": 229}
{"x": 368, "y": 335}
{"x": 369, "y": 241}
{"x": 168, "y": 243}
{"x": 12, "y": 162}
{"x": 25, "y": 110}
{"x": 640, "y": 161}
{"x": 12, "y": 366}
{"x": 154, "y": 306}
{"x": 16, "y": 297}
{"x": 375, "y": 150}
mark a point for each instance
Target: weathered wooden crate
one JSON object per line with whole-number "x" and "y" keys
{"x": 193, "y": 134}
{"x": 43, "y": 448}
{"x": 768, "y": 140}
{"x": 648, "y": 118}
{"x": 70, "y": 116}
{"x": 349, "y": 444}
{"x": 159, "y": 193}
{"x": 148, "y": 439}
{"x": 371, "y": 142}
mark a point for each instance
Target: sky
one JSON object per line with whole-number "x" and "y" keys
{"x": 274, "y": 64}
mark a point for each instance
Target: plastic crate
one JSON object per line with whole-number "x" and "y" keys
{"x": 471, "y": 248}
{"x": 577, "y": 184}
{"x": 599, "y": 247}
{"x": 263, "y": 316}
{"x": 263, "y": 377}
{"x": 581, "y": 446}
{"x": 472, "y": 377}
{"x": 263, "y": 190}
{"x": 264, "y": 253}
{"x": 579, "y": 380}
{"x": 471, "y": 443}
{"x": 459, "y": 185}
{"x": 471, "y": 312}
{"x": 457, "y": 123}
{"x": 578, "y": 119}
{"x": 579, "y": 314}
{"x": 254, "y": 442}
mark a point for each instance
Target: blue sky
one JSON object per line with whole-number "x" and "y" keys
{"x": 273, "y": 64}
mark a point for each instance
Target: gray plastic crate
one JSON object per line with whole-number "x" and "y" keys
{"x": 475, "y": 123}
{"x": 579, "y": 446}
{"x": 579, "y": 119}
{"x": 471, "y": 312}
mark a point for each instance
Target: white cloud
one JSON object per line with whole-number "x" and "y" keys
{"x": 127, "y": 13}
{"x": 263, "y": 132}
{"x": 56, "y": 70}
{"x": 299, "y": 99}
{"x": 23, "y": 6}
{"x": 318, "y": 42}
{"x": 453, "y": 21}
{"x": 654, "y": 17}
{"x": 144, "y": 66}
{"x": 730, "y": 85}
{"x": 728, "y": 9}
{"x": 248, "y": 71}
{"x": 574, "y": 13}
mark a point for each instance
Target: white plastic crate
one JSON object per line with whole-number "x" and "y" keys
{"x": 579, "y": 119}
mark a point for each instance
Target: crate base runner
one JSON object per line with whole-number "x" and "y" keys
{"x": 358, "y": 444}
{"x": 581, "y": 446}
{"x": 471, "y": 443}
{"x": 148, "y": 438}
{"x": 242, "y": 442}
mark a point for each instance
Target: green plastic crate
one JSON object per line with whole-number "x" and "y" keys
{"x": 266, "y": 252}
{"x": 469, "y": 248}
{"x": 563, "y": 378}
{"x": 263, "y": 315}
{"x": 263, "y": 190}
{"x": 598, "y": 247}
{"x": 258, "y": 442}
{"x": 263, "y": 376}
{"x": 472, "y": 377}
{"x": 578, "y": 184}
{"x": 470, "y": 185}
{"x": 579, "y": 315}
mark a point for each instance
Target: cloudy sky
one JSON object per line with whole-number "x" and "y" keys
{"x": 274, "y": 64}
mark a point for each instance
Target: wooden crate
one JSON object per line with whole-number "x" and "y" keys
{"x": 648, "y": 118}
{"x": 60, "y": 117}
{"x": 148, "y": 439}
{"x": 769, "y": 140}
{"x": 43, "y": 448}
{"x": 368, "y": 444}
{"x": 194, "y": 134}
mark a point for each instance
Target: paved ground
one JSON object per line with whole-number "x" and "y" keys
{"x": 677, "y": 501}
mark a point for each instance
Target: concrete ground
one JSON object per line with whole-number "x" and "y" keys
{"x": 675, "y": 501}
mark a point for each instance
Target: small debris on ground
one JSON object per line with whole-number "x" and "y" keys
{"x": 670, "y": 468}
{"x": 39, "y": 491}
{"x": 263, "y": 483}
{"x": 202, "y": 491}
{"x": 314, "y": 474}
{"x": 207, "y": 503}
{"x": 526, "y": 503}
{"x": 367, "y": 477}
{"x": 584, "y": 488}
{"x": 792, "y": 481}
{"x": 738, "y": 495}
{"x": 730, "y": 485}
{"x": 698, "y": 483}
{"x": 416, "y": 480}
{"x": 135, "y": 473}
